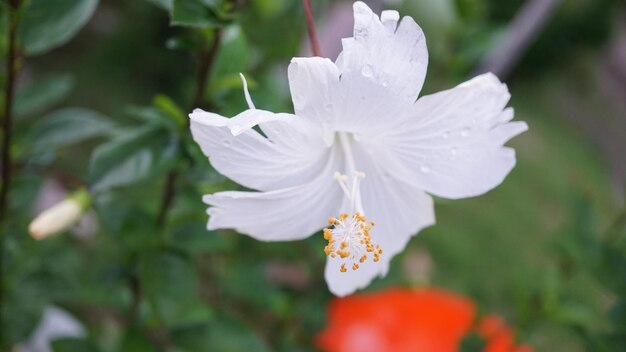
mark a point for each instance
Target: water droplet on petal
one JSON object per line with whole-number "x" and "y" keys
{"x": 385, "y": 83}
{"x": 367, "y": 71}
{"x": 446, "y": 135}
{"x": 425, "y": 168}
{"x": 465, "y": 132}
{"x": 454, "y": 151}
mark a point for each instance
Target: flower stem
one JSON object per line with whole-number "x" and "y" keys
{"x": 206, "y": 58}
{"x": 7, "y": 115}
{"x": 310, "y": 24}
{"x": 6, "y": 146}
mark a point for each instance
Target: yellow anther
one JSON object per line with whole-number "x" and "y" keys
{"x": 328, "y": 234}
{"x": 349, "y": 240}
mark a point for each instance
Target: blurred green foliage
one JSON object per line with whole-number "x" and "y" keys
{"x": 107, "y": 110}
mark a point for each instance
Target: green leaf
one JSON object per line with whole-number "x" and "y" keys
{"x": 68, "y": 126}
{"x": 135, "y": 340}
{"x": 132, "y": 157}
{"x": 73, "y": 345}
{"x": 169, "y": 283}
{"x": 193, "y": 237}
{"x": 197, "y": 13}
{"x": 234, "y": 55}
{"x": 223, "y": 335}
{"x": 166, "y": 105}
{"x": 472, "y": 343}
{"x": 42, "y": 94}
{"x": 47, "y": 24}
{"x": 164, "y": 4}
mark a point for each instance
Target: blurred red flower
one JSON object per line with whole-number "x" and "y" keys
{"x": 498, "y": 335}
{"x": 403, "y": 320}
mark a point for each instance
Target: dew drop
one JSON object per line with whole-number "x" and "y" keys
{"x": 465, "y": 132}
{"x": 454, "y": 151}
{"x": 385, "y": 83}
{"x": 425, "y": 168}
{"x": 367, "y": 71}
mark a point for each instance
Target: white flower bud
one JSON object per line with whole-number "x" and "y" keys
{"x": 59, "y": 217}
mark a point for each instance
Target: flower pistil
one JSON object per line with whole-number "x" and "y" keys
{"x": 348, "y": 236}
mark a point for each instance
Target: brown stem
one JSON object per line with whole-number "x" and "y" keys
{"x": 6, "y": 148}
{"x": 7, "y": 118}
{"x": 134, "y": 285}
{"x": 206, "y": 58}
{"x": 169, "y": 192}
{"x": 310, "y": 25}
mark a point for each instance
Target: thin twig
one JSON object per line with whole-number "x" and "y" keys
{"x": 7, "y": 118}
{"x": 206, "y": 60}
{"x": 135, "y": 291}
{"x": 310, "y": 24}
{"x": 6, "y": 148}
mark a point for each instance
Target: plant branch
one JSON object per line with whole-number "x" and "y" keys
{"x": 7, "y": 122}
{"x": 5, "y": 165}
{"x": 206, "y": 59}
{"x": 310, "y": 24}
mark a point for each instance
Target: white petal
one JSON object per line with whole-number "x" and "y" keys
{"x": 246, "y": 92}
{"x": 292, "y": 154}
{"x": 355, "y": 105}
{"x": 399, "y": 210}
{"x": 390, "y": 19}
{"x": 238, "y": 124}
{"x": 452, "y": 146}
{"x": 285, "y": 214}
{"x": 389, "y": 55}
{"x": 313, "y": 82}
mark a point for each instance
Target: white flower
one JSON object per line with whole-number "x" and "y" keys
{"x": 55, "y": 323}
{"x": 60, "y": 217}
{"x": 360, "y": 144}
